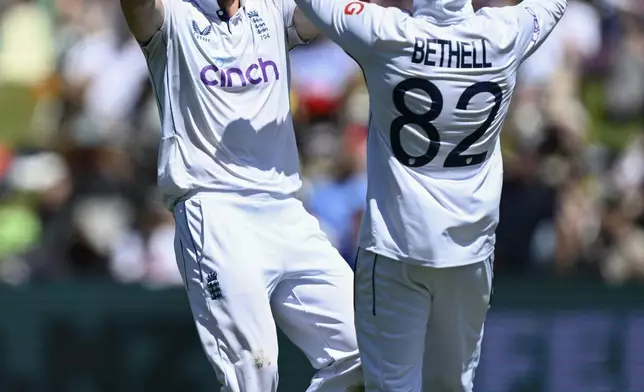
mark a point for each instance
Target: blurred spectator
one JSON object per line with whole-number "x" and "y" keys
{"x": 338, "y": 200}
{"x": 319, "y": 86}
{"x": 105, "y": 74}
{"x": 145, "y": 253}
{"x": 26, "y": 44}
{"x": 625, "y": 82}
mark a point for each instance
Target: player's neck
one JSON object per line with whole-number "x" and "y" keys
{"x": 229, "y": 6}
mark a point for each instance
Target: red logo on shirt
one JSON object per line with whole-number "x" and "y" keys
{"x": 354, "y": 8}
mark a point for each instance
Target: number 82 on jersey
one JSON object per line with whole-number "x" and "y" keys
{"x": 456, "y": 157}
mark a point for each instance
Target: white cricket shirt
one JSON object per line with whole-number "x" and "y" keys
{"x": 222, "y": 87}
{"x": 440, "y": 84}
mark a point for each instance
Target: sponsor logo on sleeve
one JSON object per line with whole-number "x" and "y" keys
{"x": 354, "y": 8}
{"x": 536, "y": 32}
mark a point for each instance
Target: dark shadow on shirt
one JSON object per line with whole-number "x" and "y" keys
{"x": 269, "y": 148}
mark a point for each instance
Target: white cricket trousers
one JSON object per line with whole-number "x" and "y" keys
{"x": 249, "y": 262}
{"x": 420, "y": 328}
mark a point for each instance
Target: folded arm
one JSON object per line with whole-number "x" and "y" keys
{"x": 144, "y": 17}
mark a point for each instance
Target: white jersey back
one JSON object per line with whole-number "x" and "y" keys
{"x": 439, "y": 94}
{"x": 222, "y": 87}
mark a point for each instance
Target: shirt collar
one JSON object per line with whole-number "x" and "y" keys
{"x": 211, "y": 8}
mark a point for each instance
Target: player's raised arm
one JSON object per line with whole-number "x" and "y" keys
{"x": 537, "y": 19}
{"x": 144, "y": 17}
{"x": 354, "y": 25}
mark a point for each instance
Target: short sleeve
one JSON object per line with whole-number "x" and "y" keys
{"x": 158, "y": 41}
{"x": 287, "y": 10}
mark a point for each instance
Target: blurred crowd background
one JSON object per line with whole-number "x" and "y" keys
{"x": 79, "y": 131}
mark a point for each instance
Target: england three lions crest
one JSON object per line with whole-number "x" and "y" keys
{"x": 258, "y": 24}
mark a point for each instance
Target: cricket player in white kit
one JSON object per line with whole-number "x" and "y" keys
{"x": 440, "y": 82}
{"x": 249, "y": 253}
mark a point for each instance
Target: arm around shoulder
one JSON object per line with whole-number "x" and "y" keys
{"x": 143, "y": 17}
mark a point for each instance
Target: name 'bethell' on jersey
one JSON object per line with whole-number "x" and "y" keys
{"x": 441, "y": 52}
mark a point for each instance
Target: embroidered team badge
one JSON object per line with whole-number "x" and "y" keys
{"x": 212, "y": 286}
{"x": 259, "y": 25}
